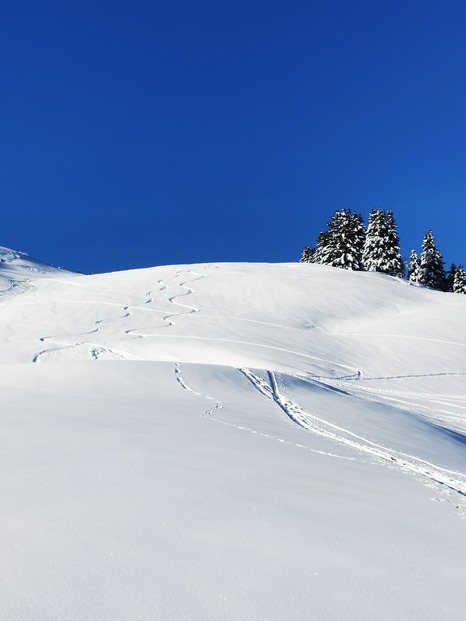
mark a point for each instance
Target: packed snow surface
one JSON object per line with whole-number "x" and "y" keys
{"x": 230, "y": 441}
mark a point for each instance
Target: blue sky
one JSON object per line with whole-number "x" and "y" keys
{"x": 151, "y": 132}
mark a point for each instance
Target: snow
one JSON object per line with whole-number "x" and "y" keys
{"x": 230, "y": 441}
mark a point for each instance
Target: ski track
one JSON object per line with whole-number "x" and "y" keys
{"x": 173, "y": 300}
{"x": 209, "y": 413}
{"x": 401, "y": 336}
{"x": 418, "y": 411}
{"x": 410, "y": 400}
{"x": 395, "y": 394}
{"x": 453, "y": 480}
{"x": 95, "y": 350}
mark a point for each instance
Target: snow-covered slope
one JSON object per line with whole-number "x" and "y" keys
{"x": 17, "y": 268}
{"x": 231, "y": 441}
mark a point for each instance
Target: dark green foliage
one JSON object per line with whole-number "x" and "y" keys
{"x": 432, "y": 271}
{"x": 450, "y": 277}
{"x": 306, "y": 255}
{"x": 395, "y": 260}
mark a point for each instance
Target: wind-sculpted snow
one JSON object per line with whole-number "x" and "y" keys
{"x": 230, "y": 441}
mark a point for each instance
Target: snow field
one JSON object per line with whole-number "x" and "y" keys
{"x": 231, "y": 441}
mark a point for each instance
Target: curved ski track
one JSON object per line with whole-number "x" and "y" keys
{"x": 95, "y": 350}
{"x": 167, "y": 318}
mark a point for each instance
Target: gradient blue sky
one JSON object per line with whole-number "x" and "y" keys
{"x": 155, "y": 132}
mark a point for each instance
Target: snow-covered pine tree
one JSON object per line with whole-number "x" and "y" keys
{"x": 450, "y": 277}
{"x": 306, "y": 255}
{"x": 382, "y": 246}
{"x": 342, "y": 244}
{"x": 414, "y": 268}
{"x": 327, "y": 251}
{"x": 395, "y": 260}
{"x": 358, "y": 235}
{"x": 374, "y": 255}
{"x": 323, "y": 240}
{"x": 432, "y": 266}
{"x": 459, "y": 283}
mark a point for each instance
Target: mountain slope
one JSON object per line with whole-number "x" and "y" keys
{"x": 17, "y": 268}
{"x": 232, "y": 441}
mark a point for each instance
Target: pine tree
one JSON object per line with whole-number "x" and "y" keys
{"x": 327, "y": 241}
{"x": 450, "y": 278}
{"x": 414, "y": 269}
{"x": 323, "y": 239}
{"x": 341, "y": 246}
{"x": 374, "y": 252}
{"x": 395, "y": 260}
{"x": 358, "y": 236}
{"x": 432, "y": 265}
{"x": 459, "y": 283}
{"x": 382, "y": 246}
{"x": 306, "y": 255}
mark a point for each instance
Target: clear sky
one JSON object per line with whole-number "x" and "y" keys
{"x": 137, "y": 133}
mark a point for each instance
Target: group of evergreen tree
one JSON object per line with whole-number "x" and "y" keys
{"x": 347, "y": 244}
{"x": 429, "y": 269}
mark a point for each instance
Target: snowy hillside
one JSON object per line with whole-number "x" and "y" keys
{"x": 16, "y": 268}
{"x": 230, "y": 441}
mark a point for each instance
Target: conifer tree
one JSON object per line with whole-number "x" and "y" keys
{"x": 432, "y": 266}
{"x": 395, "y": 260}
{"x": 323, "y": 240}
{"x": 327, "y": 241}
{"x": 306, "y": 255}
{"x": 382, "y": 246}
{"x": 450, "y": 278}
{"x": 358, "y": 236}
{"x": 341, "y": 246}
{"x": 459, "y": 283}
{"x": 414, "y": 269}
{"x": 374, "y": 252}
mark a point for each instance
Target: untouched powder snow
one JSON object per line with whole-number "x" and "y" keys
{"x": 230, "y": 441}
